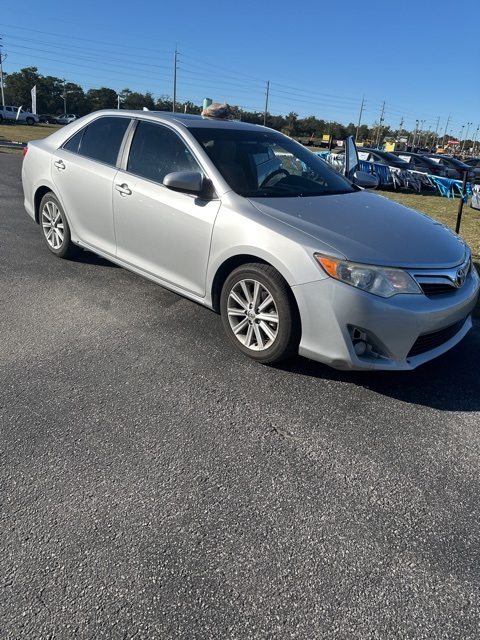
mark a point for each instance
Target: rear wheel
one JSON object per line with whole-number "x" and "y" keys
{"x": 55, "y": 229}
{"x": 259, "y": 313}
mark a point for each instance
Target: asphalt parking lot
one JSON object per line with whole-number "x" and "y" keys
{"x": 156, "y": 484}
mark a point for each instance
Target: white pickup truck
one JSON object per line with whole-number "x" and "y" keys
{"x": 17, "y": 113}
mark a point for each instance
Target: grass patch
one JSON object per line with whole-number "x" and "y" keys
{"x": 21, "y": 132}
{"x": 445, "y": 210}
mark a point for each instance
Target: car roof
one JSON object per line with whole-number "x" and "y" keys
{"x": 381, "y": 153}
{"x": 445, "y": 157}
{"x": 188, "y": 120}
{"x": 411, "y": 153}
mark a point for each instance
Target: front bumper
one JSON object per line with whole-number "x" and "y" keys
{"x": 401, "y": 332}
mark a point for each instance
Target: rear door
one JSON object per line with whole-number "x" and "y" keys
{"x": 84, "y": 170}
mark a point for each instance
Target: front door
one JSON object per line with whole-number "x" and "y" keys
{"x": 165, "y": 233}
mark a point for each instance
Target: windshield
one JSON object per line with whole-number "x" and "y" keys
{"x": 266, "y": 164}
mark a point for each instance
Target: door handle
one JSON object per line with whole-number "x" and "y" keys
{"x": 59, "y": 164}
{"x": 123, "y": 189}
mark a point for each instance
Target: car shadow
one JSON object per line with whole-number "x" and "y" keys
{"x": 448, "y": 383}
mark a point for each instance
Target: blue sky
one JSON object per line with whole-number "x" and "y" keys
{"x": 420, "y": 58}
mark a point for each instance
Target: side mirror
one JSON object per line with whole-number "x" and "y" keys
{"x": 365, "y": 180}
{"x": 187, "y": 181}
{"x": 352, "y": 161}
{"x": 190, "y": 182}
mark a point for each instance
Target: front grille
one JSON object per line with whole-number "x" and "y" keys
{"x": 429, "y": 341}
{"x": 434, "y": 288}
{"x": 444, "y": 281}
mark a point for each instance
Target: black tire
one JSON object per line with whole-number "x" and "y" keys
{"x": 259, "y": 313}
{"x": 30, "y": 121}
{"x": 1, "y": 118}
{"x": 54, "y": 226}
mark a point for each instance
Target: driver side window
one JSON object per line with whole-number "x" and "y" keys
{"x": 157, "y": 151}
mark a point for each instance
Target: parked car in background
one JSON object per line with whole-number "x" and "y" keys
{"x": 474, "y": 164}
{"x": 66, "y": 118}
{"x": 47, "y": 119}
{"x": 417, "y": 162}
{"x": 455, "y": 168}
{"x": 295, "y": 257}
{"x": 382, "y": 157}
{"x": 12, "y": 114}
{"x": 384, "y": 176}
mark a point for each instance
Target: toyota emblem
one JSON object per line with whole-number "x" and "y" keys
{"x": 460, "y": 278}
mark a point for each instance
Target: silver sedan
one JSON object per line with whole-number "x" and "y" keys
{"x": 296, "y": 258}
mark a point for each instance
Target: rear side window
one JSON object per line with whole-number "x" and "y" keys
{"x": 100, "y": 140}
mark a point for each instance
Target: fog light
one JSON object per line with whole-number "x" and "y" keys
{"x": 360, "y": 347}
{"x": 364, "y": 344}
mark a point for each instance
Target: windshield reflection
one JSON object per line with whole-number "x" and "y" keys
{"x": 268, "y": 164}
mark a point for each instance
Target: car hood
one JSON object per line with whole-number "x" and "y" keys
{"x": 369, "y": 228}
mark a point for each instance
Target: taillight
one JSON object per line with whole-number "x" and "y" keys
{"x": 24, "y": 152}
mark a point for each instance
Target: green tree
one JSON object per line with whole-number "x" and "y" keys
{"x": 102, "y": 98}
{"x": 164, "y": 103}
{"x": 74, "y": 99}
{"x": 134, "y": 100}
{"x": 291, "y": 126}
{"x": 252, "y": 117}
{"x": 363, "y": 133}
{"x": 275, "y": 122}
{"x": 351, "y": 129}
{"x": 49, "y": 95}
{"x": 189, "y": 107}
{"x": 18, "y": 87}
{"x": 310, "y": 127}
{"x": 337, "y": 131}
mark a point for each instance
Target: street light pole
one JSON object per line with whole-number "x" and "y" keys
{"x": 469, "y": 124}
{"x": 415, "y": 135}
{"x": 422, "y": 122}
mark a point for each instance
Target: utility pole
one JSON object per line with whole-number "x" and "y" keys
{"x": 359, "y": 119}
{"x": 446, "y": 127}
{"x": 266, "y": 104}
{"x": 380, "y": 124}
{"x": 422, "y": 122}
{"x": 64, "y": 96}
{"x": 435, "y": 135}
{"x": 399, "y": 131}
{"x": 469, "y": 124}
{"x": 2, "y": 57}
{"x": 174, "y": 81}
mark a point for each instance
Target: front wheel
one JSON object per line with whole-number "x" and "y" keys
{"x": 55, "y": 229}
{"x": 30, "y": 121}
{"x": 259, "y": 313}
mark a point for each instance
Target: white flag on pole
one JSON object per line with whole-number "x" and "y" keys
{"x": 34, "y": 99}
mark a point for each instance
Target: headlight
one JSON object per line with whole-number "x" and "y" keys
{"x": 381, "y": 281}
